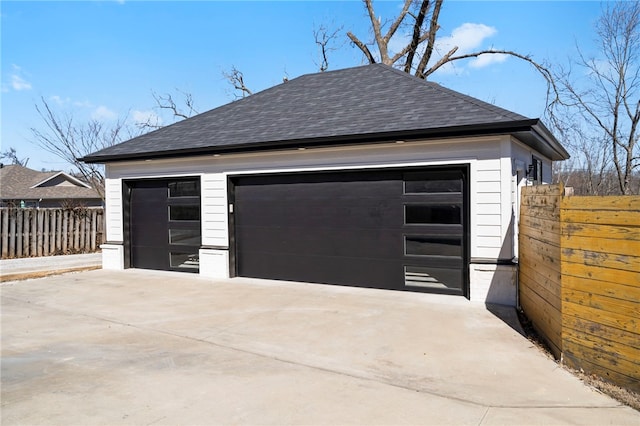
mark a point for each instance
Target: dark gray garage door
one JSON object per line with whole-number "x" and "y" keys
{"x": 401, "y": 230}
{"x": 164, "y": 224}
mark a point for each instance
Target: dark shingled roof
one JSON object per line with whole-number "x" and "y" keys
{"x": 355, "y": 105}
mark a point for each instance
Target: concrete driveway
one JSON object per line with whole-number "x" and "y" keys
{"x": 152, "y": 348}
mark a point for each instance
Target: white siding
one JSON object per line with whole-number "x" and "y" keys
{"x": 491, "y": 193}
{"x": 487, "y": 209}
{"x": 113, "y": 212}
{"x": 215, "y": 222}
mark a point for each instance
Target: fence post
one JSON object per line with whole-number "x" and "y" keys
{"x": 12, "y": 233}
{"x": 65, "y": 230}
{"x": 39, "y": 231}
{"x": 58, "y": 230}
{"x": 5, "y": 233}
{"x": 33, "y": 230}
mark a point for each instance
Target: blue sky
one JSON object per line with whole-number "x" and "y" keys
{"x": 104, "y": 59}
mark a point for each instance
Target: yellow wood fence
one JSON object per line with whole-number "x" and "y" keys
{"x": 580, "y": 279}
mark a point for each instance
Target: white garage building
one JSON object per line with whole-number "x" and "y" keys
{"x": 362, "y": 177}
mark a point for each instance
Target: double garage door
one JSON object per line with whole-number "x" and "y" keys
{"x": 401, "y": 230}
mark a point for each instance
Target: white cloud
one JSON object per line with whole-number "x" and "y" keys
{"x": 103, "y": 113}
{"x": 146, "y": 117}
{"x": 18, "y": 83}
{"x": 83, "y": 104}
{"x": 467, "y": 37}
{"x": 59, "y": 100}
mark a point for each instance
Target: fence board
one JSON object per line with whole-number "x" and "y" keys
{"x": 45, "y": 232}
{"x": 5, "y": 233}
{"x": 602, "y": 260}
{"x": 539, "y": 261}
{"x": 616, "y": 203}
{"x": 33, "y": 231}
{"x": 602, "y": 217}
{"x": 580, "y": 362}
{"x": 548, "y": 321}
{"x": 594, "y": 330}
{"x": 594, "y": 263}
{"x": 604, "y": 288}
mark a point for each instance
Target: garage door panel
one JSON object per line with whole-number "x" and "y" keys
{"x": 164, "y": 218}
{"x": 354, "y": 228}
{"x": 357, "y": 272}
{"x": 379, "y": 244}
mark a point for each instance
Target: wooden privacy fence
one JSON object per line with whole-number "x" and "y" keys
{"x": 44, "y": 232}
{"x": 580, "y": 279}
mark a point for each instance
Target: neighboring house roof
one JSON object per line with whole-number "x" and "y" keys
{"x": 21, "y": 183}
{"x": 363, "y": 104}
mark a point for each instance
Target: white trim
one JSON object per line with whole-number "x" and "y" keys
{"x": 156, "y": 176}
{"x": 453, "y": 161}
{"x": 68, "y": 177}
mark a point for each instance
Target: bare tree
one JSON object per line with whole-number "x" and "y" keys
{"x": 326, "y": 42}
{"x": 598, "y": 109}
{"x": 69, "y": 141}
{"x": 12, "y": 156}
{"x": 236, "y": 79}
{"x": 422, "y": 17}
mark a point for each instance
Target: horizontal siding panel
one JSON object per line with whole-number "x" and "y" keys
{"x": 487, "y": 209}
{"x": 489, "y": 198}
{"x": 494, "y": 242}
{"x": 215, "y": 222}
{"x": 215, "y": 238}
{"x": 488, "y": 175}
{"x": 485, "y": 252}
{"x": 214, "y": 217}
{"x": 216, "y": 209}
{"x": 488, "y": 187}
{"x": 114, "y": 212}
{"x": 488, "y": 231}
{"x": 488, "y": 219}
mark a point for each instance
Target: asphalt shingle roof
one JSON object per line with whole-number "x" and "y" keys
{"x": 355, "y": 103}
{"x": 17, "y": 183}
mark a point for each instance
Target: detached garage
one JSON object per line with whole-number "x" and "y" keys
{"x": 362, "y": 177}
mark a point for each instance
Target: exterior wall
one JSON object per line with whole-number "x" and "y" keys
{"x": 113, "y": 210}
{"x": 491, "y": 170}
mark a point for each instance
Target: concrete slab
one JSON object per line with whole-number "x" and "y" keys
{"x": 143, "y": 347}
{"x": 36, "y": 267}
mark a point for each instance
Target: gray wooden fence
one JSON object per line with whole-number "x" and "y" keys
{"x": 46, "y": 232}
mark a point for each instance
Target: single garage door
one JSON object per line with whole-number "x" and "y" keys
{"x": 164, "y": 224}
{"x": 401, "y": 230}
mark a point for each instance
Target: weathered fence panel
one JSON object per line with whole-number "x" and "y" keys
{"x": 601, "y": 286}
{"x": 539, "y": 261}
{"x": 580, "y": 279}
{"x": 45, "y": 232}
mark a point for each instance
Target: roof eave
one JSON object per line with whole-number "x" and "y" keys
{"x": 511, "y": 127}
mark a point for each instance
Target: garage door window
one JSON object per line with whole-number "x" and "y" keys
{"x": 187, "y": 188}
{"x": 432, "y": 214}
{"x": 432, "y": 186}
{"x": 433, "y": 245}
{"x": 182, "y": 213}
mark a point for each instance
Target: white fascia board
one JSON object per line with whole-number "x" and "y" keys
{"x": 66, "y": 176}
